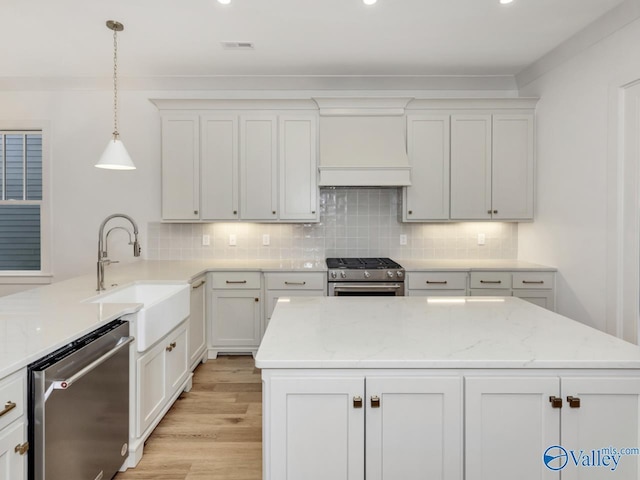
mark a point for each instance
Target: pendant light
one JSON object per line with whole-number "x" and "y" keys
{"x": 115, "y": 156}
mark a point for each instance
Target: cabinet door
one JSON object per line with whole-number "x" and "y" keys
{"x": 509, "y": 423}
{"x": 298, "y": 167}
{"x": 258, "y": 167}
{"x": 235, "y": 318}
{"x": 428, "y": 147}
{"x": 152, "y": 386}
{"x": 12, "y": 464}
{"x": 470, "y": 167}
{"x": 512, "y": 167}
{"x": 180, "y": 167}
{"x": 219, "y": 167}
{"x": 608, "y": 417}
{"x": 542, "y": 298}
{"x": 177, "y": 359}
{"x": 315, "y": 432}
{"x": 415, "y": 431}
{"x": 197, "y": 322}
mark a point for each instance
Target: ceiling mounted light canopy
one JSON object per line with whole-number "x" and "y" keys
{"x": 115, "y": 156}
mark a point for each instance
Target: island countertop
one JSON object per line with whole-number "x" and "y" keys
{"x": 435, "y": 332}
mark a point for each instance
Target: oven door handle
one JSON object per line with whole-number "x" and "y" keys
{"x": 64, "y": 384}
{"x": 352, "y": 288}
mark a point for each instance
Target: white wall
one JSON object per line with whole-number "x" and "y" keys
{"x": 82, "y": 195}
{"x": 573, "y": 159}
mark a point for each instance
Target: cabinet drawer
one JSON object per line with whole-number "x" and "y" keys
{"x": 295, "y": 281}
{"x": 490, "y": 280}
{"x": 12, "y": 394}
{"x": 531, "y": 280}
{"x": 235, "y": 280}
{"x": 437, "y": 280}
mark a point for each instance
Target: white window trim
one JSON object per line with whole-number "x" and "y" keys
{"x": 42, "y": 276}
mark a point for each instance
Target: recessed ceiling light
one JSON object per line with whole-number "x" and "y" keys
{"x": 504, "y": 2}
{"x": 369, "y": 2}
{"x": 224, "y": 2}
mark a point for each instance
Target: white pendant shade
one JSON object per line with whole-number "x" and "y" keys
{"x": 116, "y": 157}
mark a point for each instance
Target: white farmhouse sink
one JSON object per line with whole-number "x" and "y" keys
{"x": 165, "y": 305}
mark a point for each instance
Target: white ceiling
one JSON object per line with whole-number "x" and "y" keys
{"x": 63, "y": 38}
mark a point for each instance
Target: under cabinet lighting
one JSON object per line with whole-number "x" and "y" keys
{"x": 369, "y": 2}
{"x": 505, "y": 2}
{"x": 224, "y": 2}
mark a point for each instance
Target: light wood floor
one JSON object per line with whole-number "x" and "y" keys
{"x": 213, "y": 432}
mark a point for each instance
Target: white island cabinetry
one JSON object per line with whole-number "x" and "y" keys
{"x": 400, "y": 387}
{"x": 13, "y": 427}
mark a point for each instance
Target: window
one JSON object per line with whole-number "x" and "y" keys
{"x": 21, "y": 201}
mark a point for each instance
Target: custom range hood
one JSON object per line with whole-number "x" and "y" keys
{"x": 363, "y": 142}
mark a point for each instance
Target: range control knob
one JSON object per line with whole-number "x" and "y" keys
{"x": 343, "y": 274}
{"x": 399, "y": 274}
{"x": 333, "y": 274}
{"x": 366, "y": 274}
{"x": 390, "y": 274}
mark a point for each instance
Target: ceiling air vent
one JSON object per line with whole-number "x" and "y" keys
{"x": 237, "y": 45}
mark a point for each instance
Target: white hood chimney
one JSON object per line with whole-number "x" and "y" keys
{"x": 363, "y": 142}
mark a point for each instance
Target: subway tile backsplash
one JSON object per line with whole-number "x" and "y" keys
{"x": 354, "y": 222}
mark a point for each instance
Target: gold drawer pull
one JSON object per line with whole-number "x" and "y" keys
{"x": 537, "y": 282}
{"x": 171, "y": 346}
{"x": 556, "y": 402}
{"x": 429, "y": 282}
{"x": 295, "y": 283}
{"x": 194, "y": 287}
{"x": 375, "y": 402}
{"x": 490, "y": 281}
{"x": 357, "y": 402}
{"x": 8, "y": 407}
{"x": 22, "y": 449}
{"x": 236, "y": 281}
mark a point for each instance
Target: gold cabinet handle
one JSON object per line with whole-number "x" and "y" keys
{"x": 375, "y": 401}
{"x": 357, "y": 402}
{"x": 489, "y": 212}
{"x": 495, "y": 211}
{"x": 295, "y": 283}
{"x": 171, "y": 346}
{"x": 273, "y": 211}
{"x": 22, "y": 448}
{"x": 410, "y": 212}
{"x": 429, "y": 282}
{"x": 8, "y": 407}
{"x": 556, "y": 402}
{"x": 193, "y": 287}
{"x": 574, "y": 402}
{"x": 257, "y": 299}
{"x": 235, "y": 212}
{"x": 538, "y": 282}
{"x": 230, "y": 282}
{"x": 195, "y": 212}
{"x": 490, "y": 281}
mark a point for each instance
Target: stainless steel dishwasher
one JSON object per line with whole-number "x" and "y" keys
{"x": 79, "y": 407}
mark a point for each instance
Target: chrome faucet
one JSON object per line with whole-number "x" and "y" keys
{"x": 102, "y": 244}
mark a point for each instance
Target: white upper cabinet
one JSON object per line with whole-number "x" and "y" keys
{"x": 298, "y": 167}
{"x": 512, "y": 167}
{"x": 258, "y": 167}
{"x": 471, "y": 167}
{"x": 428, "y": 147}
{"x": 180, "y": 167}
{"x": 219, "y": 167}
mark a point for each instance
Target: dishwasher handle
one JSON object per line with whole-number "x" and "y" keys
{"x": 64, "y": 384}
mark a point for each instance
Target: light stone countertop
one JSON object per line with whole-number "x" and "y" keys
{"x": 418, "y": 332}
{"x": 472, "y": 264}
{"x": 36, "y": 322}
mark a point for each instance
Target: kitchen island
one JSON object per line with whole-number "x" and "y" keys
{"x": 444, "y": 388}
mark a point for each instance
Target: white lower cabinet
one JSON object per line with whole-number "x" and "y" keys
{"x": 325, "y": 427}
{"x": 511, "y": 422}
{"x": 197, "y": 323}
{"x": 13, "y": 427}
{"x": 235, "y": 313}
{"x": 292, "y": 284}
{"x": 433, "y": 283}
{"x": 12, "y": 462}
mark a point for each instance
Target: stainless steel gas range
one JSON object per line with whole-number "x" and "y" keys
{"x": 364, "y": 277}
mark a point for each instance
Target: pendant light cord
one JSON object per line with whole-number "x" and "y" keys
{"x": 115, "y": 84}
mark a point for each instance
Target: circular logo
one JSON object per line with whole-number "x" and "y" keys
{"x": 555, "y": 457}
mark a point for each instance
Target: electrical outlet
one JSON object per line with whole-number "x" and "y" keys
{"x": 481, "y": 239}
{"x": 233, "y": 240}
{"x": 206, "y": 240}
{"x": 266, "y": 240}
{"x": 403, "y": 239}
